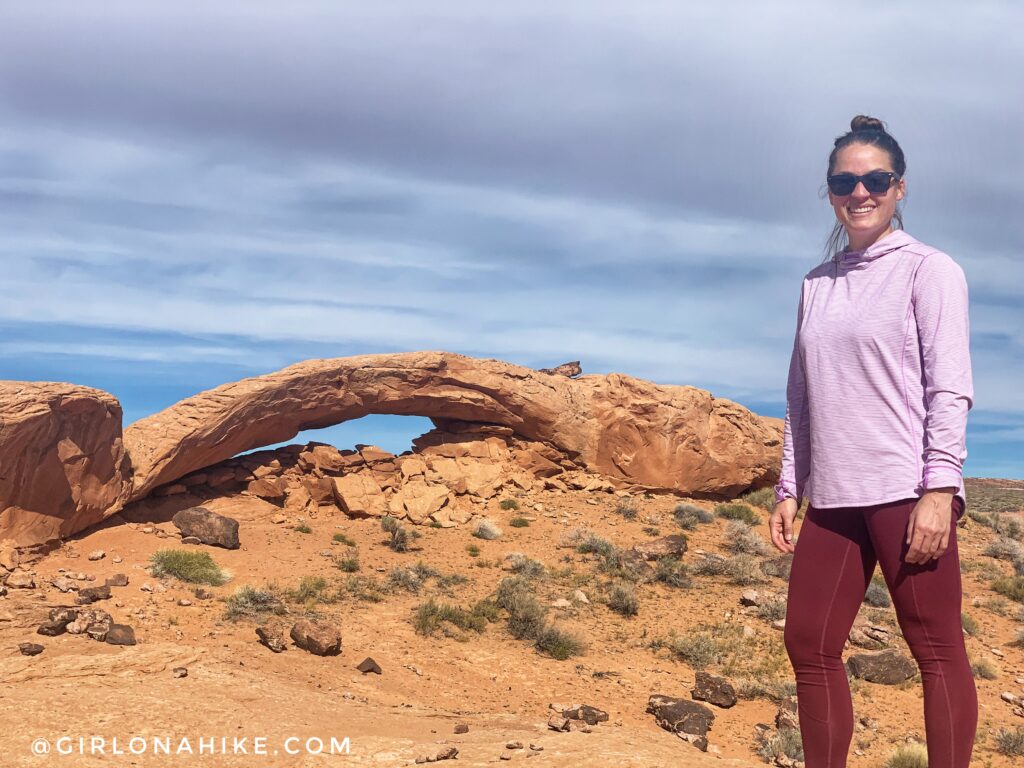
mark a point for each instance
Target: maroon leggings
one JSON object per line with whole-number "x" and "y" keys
{"x": 834, "y": 560}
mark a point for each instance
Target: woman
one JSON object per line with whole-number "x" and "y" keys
{"x": 877, "y": 400}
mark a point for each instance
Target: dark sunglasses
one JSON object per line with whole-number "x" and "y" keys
{"x": 875, "y": 182}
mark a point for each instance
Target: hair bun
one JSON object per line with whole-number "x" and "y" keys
{"x": 865, "y": 123}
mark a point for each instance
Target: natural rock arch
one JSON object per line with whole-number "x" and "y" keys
{"x": 673, "y": 437}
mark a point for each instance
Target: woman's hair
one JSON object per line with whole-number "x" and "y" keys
{"x": 865, "y": 130}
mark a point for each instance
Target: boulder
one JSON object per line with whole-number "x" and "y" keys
{"x": 64, "y": 464}
{"x": 317, "y": 637}
{"x": 209, "y": 527}
{"x": 888, "y": 667}
{"x": 680, "y": 715}
{"x": 667, "y": 546}
{"x": 359, "y": 495}
{"x": 714, "y": 690}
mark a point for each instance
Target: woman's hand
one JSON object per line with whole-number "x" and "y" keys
{"x": 928, "y": 529}
{"x": 780, "y": 525}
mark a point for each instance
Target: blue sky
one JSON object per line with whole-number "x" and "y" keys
{"x": 193, "y": 193}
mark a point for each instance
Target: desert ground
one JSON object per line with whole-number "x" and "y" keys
{"x": 498, "y": 688}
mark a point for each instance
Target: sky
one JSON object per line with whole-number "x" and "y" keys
{"x": 196, "y": 192}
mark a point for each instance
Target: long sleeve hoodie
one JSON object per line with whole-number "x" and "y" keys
{"x": 880, "y": 378}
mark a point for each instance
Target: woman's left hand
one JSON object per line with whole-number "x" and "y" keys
{"x": 928, "y": 530}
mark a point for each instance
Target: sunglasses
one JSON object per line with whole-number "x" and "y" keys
{"x": 875, "y": 182}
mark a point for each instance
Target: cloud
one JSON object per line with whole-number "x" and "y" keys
{"x": 635, "y": 186}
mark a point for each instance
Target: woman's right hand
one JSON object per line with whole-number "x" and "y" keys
{"x": 780, "y": 525}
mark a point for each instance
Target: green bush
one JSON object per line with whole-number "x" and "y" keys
{"x": 311, "y": 589}
{"x": 348, "y": 564}
{"x": 302, "y": 528}
{"x": 672, "y": 572}
{"x": 1010, "y": 742}
{"x": 191, "y": 567}
{"x": 762, "y": 497}
{"x": 984, "y": 669}
{"x": 341, "y": 538}
{"x": 405, "y": 579}
{"x": 689, "y": 516}
{"x": 473, "y": 550}
{"x": 591, "y": 544}
{"x": 519, "y": 522}
{"x": 1010, "y": 586}
{"x": 970, "y": 626}
{"x": 909, "y": 755}
{"x": 431, "y": 616}
{"x": 741, "y": 539}
{"x": 509, "y": 504}
{"x": 558, "y": 643}
{"x": 626, "y": 509}
{"x": 738, "y": 511}
{"x": 525, "y": 566}
{"x": 697, "y": 648}
{"x": 1004, "y": 548}
{"x": 785, "y": 742}
{"x": 623, "y": 600}
{"x": 772, "y": 608}
{"x": 745, "y": 570}
{"x": 251, "y": 603}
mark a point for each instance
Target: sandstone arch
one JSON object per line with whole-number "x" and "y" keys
{"x": 673, "y": 437}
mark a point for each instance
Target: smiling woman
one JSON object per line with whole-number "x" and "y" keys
{"x": 876, "y": 413}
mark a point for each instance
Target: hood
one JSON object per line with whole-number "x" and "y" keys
{"x": 895, "y": 240}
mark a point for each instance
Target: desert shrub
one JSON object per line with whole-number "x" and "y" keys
{"x": 487, "y": 530}
{"x": 764, "y": 498}
{"x": 697, "y": 648}
{"x": 1010, "y": 586}
{"x": 596, "y": 545}
{"x": 251, "y": 603}
{"x": 311, "y": 589}
{"x": 758, "y": 688}
{"x": 626, "y": 509}
{"x": 431, "y": 616}
{"x": 984, "y": 669}
{"x": 364, "y": 588}
{"x": 525, "y": 613}
{"x": 778, "y": 566}
{"x": 507, "y": 504}
{"x": 191, "y": 567}
{"x": 473, "y": 550}
{"x": 1007, "y": 526}
{"x": 741, "y": 539}
{"x": 572, "y": 537}
{"x": 1018, "y": 641}
{"x": 341, "y": 538}
{"x": 650, "y": 530}
{"x": 1018, "y": 566}
{"x": 745, "y": 570}
{"x": 558, "y": 643}
{"x": 877, "y": 594}
{"x": 390, "y": 523}
{"x": 784, "y": 742}
{"x": 772, "y": 608}
{"x": 348, "y": 563}
{"x": 970, "y": 626}
{"x": 524, "y": 566}
{"x": 405, "y": 579}
{"x": 738, "y": 511}
{"x": 519, "y": 522}
{"x": 909, "y": 755}
{"x": 1010, "y": 742}
{"x": 985, "y": 569}
{"x": 689, "y": 516}
{"x": 623, "y": 600}
{"x": 302, "y": 528}
{"x": 1004, "y": 548}
{"x": 711, "y": 565}
{"x": 672, "y": 572}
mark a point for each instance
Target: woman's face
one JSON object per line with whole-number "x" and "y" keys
{"x": 864, "y": 216}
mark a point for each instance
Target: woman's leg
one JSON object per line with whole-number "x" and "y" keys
{"x": 832, "y": 566}
{"x": 927, "y": 599}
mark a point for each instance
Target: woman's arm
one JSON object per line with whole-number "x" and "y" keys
{"x": 941, "y": 312}
{"x": 796, "y": 445}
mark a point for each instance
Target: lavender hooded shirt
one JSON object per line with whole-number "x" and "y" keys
{"x": 880, "y": 378}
